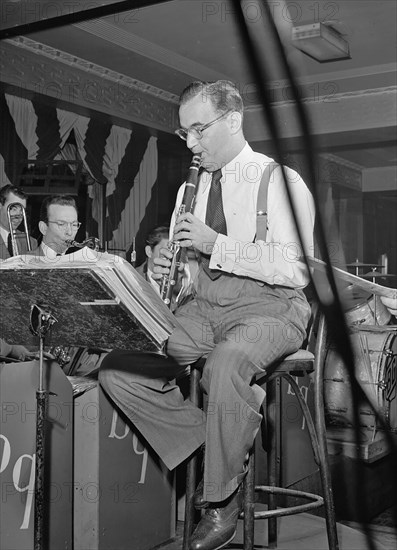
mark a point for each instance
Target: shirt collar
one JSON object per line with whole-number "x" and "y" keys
{"x": 230, "y": 167}
{"x": 49, "y": 252}
{"x": 238, "y": 161}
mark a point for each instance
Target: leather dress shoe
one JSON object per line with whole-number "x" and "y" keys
{"x": 198, "y": 499}
{"x": 218, "y": 525}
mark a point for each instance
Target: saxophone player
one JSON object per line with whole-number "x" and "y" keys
{"x": 58, "y": 225}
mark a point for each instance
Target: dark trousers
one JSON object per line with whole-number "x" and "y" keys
{"x": 241, "y": 327}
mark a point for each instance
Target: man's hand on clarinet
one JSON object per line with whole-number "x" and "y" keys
{"x": 192, "y": 232}
{"x": 162, "y": 264}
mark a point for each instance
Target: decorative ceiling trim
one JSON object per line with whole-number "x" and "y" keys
{"x": 119, "y": 78}
{"x": 346, "y": 112}
{"x": 330, "y": 157}
{"x": 338, "y": 171}
{"x": 372, "y": 70}
{"x": 92, "y": 68}
{"x": 35, "y": 70}
{"x": 332, "y": 97}
{"x": 131, "y": 42}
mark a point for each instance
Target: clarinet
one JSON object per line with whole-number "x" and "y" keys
{"x": 169, "y": 281}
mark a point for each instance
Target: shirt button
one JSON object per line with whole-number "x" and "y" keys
{"x": 219, "y": 265}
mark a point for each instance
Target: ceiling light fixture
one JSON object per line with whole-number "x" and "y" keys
{"x": 320, "y": 42}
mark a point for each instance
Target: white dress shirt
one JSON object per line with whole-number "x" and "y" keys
{"x": 4, "y": 234}
{"x": 277, "y": 260}
{"x": 153, "y": 282}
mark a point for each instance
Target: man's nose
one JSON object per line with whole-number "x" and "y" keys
{"x": 191, "y": 141}
{"x": 69, "y": 229}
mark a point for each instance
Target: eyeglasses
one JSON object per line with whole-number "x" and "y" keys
{"x": 64, "y": 225}
{"x": 197, "y": 131}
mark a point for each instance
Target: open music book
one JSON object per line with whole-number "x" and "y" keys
{"x": 318, "y": 268}
{"x": 98, "y": 299}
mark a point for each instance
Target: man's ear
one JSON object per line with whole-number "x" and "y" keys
{"x": 236, "y": 121}
{"x": 148, "y": 251}
{"x": 43, "y": 227}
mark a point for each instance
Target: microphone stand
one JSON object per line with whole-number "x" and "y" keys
{"x": 40, "y": 323}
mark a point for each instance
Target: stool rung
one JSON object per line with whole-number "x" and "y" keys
{"x": 317, "y": 501}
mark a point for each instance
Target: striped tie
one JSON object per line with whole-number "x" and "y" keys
{"x": 215, "y": 217}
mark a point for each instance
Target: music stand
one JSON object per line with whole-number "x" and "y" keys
{"x": 103, "y": 304}
{"x": 41, "y": 321}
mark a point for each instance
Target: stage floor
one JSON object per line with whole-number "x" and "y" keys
{"x": 305, "y": 532}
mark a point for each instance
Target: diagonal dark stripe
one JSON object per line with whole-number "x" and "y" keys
{"x": 128, "y": 169}
{"x": 49, "y": 139}
{"x": 94, "y": 145}
{"x": 11, "y": 147}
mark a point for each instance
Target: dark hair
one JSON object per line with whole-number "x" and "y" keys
{"x": 62, "y": 200}
{"x": 223, "y": 94}
{"x": 157, "y": 234}
{"x": 7, "y": 189}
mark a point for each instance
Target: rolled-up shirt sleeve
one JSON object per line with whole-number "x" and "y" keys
{"x": 278, "y": 260}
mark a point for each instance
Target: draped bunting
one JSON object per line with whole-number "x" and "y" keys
{"x": 122, "y": 159}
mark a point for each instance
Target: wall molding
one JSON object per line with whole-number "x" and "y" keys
{"x": 41, "y": 69}
{"x": 329, "y": 157}
{"x": 363, "y": 110}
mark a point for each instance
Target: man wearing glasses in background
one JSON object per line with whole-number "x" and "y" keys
{"x": 9, "y": 194}
{"x": 58, "y": 224}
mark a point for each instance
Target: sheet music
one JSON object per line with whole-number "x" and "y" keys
{"x": 319, "y": 267}
{"x": 123, "y": 288}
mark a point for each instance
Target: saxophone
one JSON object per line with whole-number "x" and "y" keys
{"x": 91, "y": 242}
{"x": 169, "y": 281}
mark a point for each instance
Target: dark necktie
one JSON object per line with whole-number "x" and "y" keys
{"x": 9, "y": 244}
{"x": 214, "y": 217}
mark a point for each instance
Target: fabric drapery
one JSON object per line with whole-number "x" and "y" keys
{"x": 122, "y": 159}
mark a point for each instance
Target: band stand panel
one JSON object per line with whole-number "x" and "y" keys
{"x": 294, "y": 440}
{"x": 18, "y": 385}
{"x": 85, "y": 309}
{"x": 124, "y": 495}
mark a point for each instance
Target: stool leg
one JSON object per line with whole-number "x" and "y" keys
{"x": 249, "y": 502}
{"x": 327, "y": 488}
{"x": 189, "y": 506}
{"x": 322, "y": 437}
{"x": 191, "y": 466}
{"x": 325, "y": 474}
{"x": 273, "y": 392}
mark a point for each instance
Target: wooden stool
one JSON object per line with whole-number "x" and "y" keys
{"x": 297, "y": 364}
{"x": 300, "y": 363}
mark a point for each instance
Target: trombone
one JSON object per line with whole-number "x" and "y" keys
{"x": 20, "y": 213}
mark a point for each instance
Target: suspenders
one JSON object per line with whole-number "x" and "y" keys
{"x": 261, "y": 204}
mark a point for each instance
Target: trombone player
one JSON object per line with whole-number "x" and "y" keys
{"x": 10, "y": 219}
